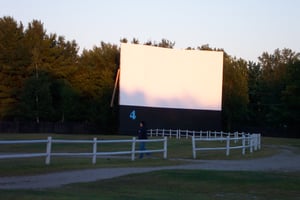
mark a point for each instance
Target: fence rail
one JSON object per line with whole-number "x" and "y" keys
{"x": 235, "y": 140}
{"x": 49, "y": 145}
{"x": 251, "y": 141}
{"x": 178, "y": 133}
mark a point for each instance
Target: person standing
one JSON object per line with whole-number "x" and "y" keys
{"x": 142, "y": 135}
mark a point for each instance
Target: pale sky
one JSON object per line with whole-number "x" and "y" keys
{"x": 243, "y": 28}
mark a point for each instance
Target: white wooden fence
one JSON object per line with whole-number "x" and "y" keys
{"x": 178, "y": 133}
{"x": 95, "y": 142}
{"x": 234, "y": 140}
{"x": 240, "y": 141}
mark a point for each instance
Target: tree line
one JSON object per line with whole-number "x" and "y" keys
{"x": 43, "y": 78}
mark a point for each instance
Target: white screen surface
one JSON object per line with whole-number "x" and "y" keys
{"x": 169, "y": 78}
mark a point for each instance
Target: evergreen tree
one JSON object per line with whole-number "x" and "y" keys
{"x": 12, "y": 64}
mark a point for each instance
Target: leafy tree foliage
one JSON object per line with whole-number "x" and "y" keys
{"x": 255, "y": 113}
{"x": 291, "y": 97}
{"x": 12, "y": 63}
{"x": 273, "y": 90}
{"x": 42, "y": 78}
{"x": 235, "y": 92}
{"x": 94, "y": 79}
{"x": 36, "y": 98}
{"x": 163, "y": 43}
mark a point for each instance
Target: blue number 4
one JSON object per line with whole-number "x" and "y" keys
{"x": 132, "y": 115}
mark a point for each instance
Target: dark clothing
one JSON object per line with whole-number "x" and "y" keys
{"x": 142, "y": 133}
{"x": 142, "y": 148}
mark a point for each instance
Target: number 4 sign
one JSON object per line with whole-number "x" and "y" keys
{"x": 132, "y": 115}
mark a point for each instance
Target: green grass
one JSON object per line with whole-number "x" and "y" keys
{"x": 20, "y": 167}
{"x": 176, "y": 184}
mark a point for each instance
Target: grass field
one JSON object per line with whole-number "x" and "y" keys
{"x": 170, "y": 184}
{"x": 176, "y": 184}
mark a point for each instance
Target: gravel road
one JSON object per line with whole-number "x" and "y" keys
{"x": 285, "y": 161}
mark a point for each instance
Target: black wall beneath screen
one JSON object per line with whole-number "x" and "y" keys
{"x": 167, "y": 118}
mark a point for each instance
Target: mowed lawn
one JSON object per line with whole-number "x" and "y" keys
{"x": 176, "y": 184}
{"x": 169, "y": 184}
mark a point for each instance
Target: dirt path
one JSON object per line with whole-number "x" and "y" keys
{"x": 285, "y": 161}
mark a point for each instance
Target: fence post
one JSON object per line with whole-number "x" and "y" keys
{"x": 236, "y": 135}
{"x": 94, "y": 150}
{"x": 133, "y": 149}
{"x": 48, "y": 156}
{"x": 251, "y": 143}
{"x": 243, "y": 144}
{"x": 165, "y": 148}
{"x": 259, "y": 141}
{"x": 187, "y": 134}
{"x": 222, "y": 136}
{"x": 227, "y": 145}
{"x": 254, "y": 142}
{"x": 194, "y": 147}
